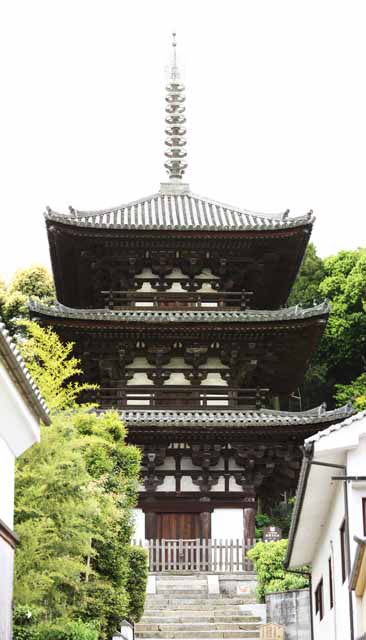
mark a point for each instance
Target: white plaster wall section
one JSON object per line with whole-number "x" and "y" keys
{"x": 220, "y": 484}
{"x": 233, "y": 485}
{"x": 6, "y": 590}
{"x": 356, "y": 466}
{"x": 139, "y": 379}
{"x": 177, "y": 378}
{"x": 215, "y": 379}
{"x": 169, "y": 464}
{"x": 177, "y": 362}
{"x": 140, "y": 363}
{"x": 169, "y": 484}
{"x": 139, "y": 521}
{"x": 220, "y": 466}
{"x": 227, "y": 524}
{"x": 335, "y": 622}
{"x": 186, "y": 464}
{"x": 186, "y": 484}
{"x": 18, "y": 426}
{"x": 141, "y": 488}
{"x": 215, "y": 363}
{"x": 233, "y": 466}
{"x": 7, "y": 469}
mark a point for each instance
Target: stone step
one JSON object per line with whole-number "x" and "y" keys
{"x": 181, "y": 590}
{"x": 196, "y": 626}
{"x": 196, "y": 635}
{"x": 213, "y": 601}
{"x": 199, "y": 616}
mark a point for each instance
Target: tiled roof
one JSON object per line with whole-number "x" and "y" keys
{"x": 19, "y": 372}
{"x": 262, "y": 417}
{"x": 154, "y": 316}
{"x": 178, "y": 210}
{"x": 337, "y": 427}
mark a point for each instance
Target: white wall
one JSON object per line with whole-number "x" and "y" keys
{"x": 335, "y": 623}
{"x": 227, "y": 524}
{"x": 6, "y": 589}
{"x": 7, "y": 463}
{"x": 139, "y": 518}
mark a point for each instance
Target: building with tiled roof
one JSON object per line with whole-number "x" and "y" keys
{"x": 177, "y": 307}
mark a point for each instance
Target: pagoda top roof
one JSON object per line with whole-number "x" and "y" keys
{"x": 176, "y": 208}
{"x": 154, "y": 316}
{"x": 234, "y": 418}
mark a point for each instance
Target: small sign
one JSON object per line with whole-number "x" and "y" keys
{"x": 272, "y": 534}
{"x": 242, "y": 589}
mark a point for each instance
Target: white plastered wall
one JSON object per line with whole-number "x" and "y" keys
{"x": 139, "y": 518}
{"x": 227, "y": 524}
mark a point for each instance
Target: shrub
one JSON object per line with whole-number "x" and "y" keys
{"x": 268, "y": 558}
{"x": 136, "y": 583}
{"x": 68, "y": 630}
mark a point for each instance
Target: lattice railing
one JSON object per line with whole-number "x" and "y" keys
{"x": 198, "y": 555}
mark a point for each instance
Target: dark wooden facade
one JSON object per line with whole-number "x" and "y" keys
{"x": 179, "y": 322}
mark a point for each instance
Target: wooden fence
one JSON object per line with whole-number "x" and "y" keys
{"x": 198, "y": 555}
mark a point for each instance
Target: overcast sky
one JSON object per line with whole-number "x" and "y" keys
{"x": 276, "y": 110}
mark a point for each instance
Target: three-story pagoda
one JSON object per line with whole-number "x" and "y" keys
{"x": 175, "y": 303}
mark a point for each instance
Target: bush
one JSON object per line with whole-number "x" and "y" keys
{"x": 27, "y": 627}
{"x": 136, "y": 583}
{"x": 268, "y": 558}
{"x": 69, "y": 630}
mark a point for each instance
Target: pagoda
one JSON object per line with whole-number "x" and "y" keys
{"x": 176, "y": 305}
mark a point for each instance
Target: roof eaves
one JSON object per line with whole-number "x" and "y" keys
{"x": 16, "y": 366}
{"x": 300, "y": 494}
{"x": 354, "y": 417}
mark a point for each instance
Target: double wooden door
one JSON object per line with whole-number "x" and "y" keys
{"x": 178, "y": 526}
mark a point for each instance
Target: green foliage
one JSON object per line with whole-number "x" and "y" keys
{"x": 74, "y": 497}
{"x": 52, "y": 367}
{"x": 305, "y": 290}
{"x": 137, "y": 580}
{"x": 262, "y": 520}
{"x": 354, "y": 392}
{"x": 34, "y": 281}
{"x": 268, "y": 561}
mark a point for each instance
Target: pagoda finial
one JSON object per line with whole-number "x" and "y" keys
{"x": 175, "y": 120}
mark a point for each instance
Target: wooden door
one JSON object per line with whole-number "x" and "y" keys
{"x": 178, "y": 526}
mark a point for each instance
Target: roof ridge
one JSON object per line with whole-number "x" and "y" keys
{"x": 287, "y": 313}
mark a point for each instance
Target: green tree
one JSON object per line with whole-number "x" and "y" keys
{"x": 35, "y": 281}
{"x": 52, "y": 366}
{"x": 268, "y": 558}
{"x": 305, "y": 290}
{"x": 74, "y": 497}
{"x": 354, "y": 392}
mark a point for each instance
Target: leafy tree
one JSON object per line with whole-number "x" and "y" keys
{"x": 52, "y": 366}
{"x": 34, "y": 281}
{"x": 305, "y": 290}
{"x": 268, "y": 558}
{"x": 74, "y": 493}
{"x": 354, "y": 392}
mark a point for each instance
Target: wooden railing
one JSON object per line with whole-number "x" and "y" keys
{"x": 198, "y": 555}
{"x": 176, "y": 299}
{"x": 175, "y": 396}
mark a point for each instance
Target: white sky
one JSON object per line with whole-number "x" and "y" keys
{"x": 276, "y": 109}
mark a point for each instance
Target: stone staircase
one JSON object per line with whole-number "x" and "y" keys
{"x": 182, "y": 607}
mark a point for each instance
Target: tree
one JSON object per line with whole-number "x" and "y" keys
{"x": 35, "y": 281}
{"x": 305, "y": 290}
{"x": 53, "y": 367}
{"x": 354, "y": 392}
{"x": 74, "y": 497}
{"x": 268, "y": 559}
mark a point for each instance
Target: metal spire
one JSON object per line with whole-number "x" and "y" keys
{"x": 175, "y": 120}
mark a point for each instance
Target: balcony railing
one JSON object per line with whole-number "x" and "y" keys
{"x": 176, "y": 299}
{"x": 180, "y": 397}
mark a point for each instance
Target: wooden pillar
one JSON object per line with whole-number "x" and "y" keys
{"x": 249, "y": 511}
{"x": 151, "y": 525}
{"x": 205, "y": 521}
